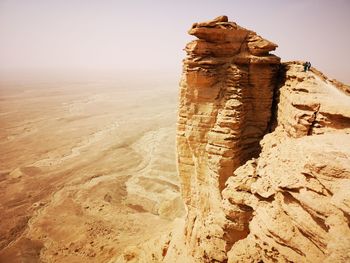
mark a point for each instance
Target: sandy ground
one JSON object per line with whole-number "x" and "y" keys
{"x": 86, "y": 169}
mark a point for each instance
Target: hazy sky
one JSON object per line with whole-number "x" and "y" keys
{"x": 150, "y": 35}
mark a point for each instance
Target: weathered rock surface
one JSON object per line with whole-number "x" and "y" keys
{"x": 293, "y": 202}
{"x": 263, "y": 154}
{"x": 225, "y": 110}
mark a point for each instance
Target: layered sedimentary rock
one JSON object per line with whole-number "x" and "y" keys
{"x": 263, "y": 152}
{"x": 294, "y": 199}
{"x": 225, "y": 109}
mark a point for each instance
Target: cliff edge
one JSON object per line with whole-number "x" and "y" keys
{"x": 226, "y": 96}
{"x": 263, "y": 152}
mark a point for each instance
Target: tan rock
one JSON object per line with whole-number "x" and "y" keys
{"x": 259, "y": 46}
{"x": 292, "y": 192}
{"x": 224, "y": 112}
{"x": 263, "y": 152}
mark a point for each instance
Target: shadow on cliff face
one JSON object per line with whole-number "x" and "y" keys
{"x": 280, "y": 82}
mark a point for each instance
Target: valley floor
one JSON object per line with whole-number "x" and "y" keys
{"x": 86, "y": 169}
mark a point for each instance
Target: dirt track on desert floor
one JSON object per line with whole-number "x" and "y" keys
{"x": 86, "y": 169}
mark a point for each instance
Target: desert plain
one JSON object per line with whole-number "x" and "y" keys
{"x": 87, "y": 167}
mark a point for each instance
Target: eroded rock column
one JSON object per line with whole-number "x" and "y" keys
{"x": 226, "y": 95}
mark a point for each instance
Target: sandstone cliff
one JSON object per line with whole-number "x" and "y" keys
{"x": 263, "y": 153}
{"x": 225, "y": 109}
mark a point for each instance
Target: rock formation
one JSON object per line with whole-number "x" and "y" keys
{"x": 225, "y": 109}
{"x": 263, "y": 154}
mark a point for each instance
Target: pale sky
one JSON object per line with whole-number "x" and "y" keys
{"x": 150, "y": 35}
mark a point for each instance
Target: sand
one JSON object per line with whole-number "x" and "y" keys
{"x": 87, "y": 169}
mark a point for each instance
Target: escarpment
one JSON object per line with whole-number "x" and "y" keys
{"x": 225, "y": 109}
{"x": 263, "y": 153}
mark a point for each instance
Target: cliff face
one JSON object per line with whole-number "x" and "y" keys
{"x": 225, "y": 109}
{"x": 296, "y": 192}
{"x": 263, "y": 152}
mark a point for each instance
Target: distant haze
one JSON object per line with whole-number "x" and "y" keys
{"x": 148, "y": 36}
